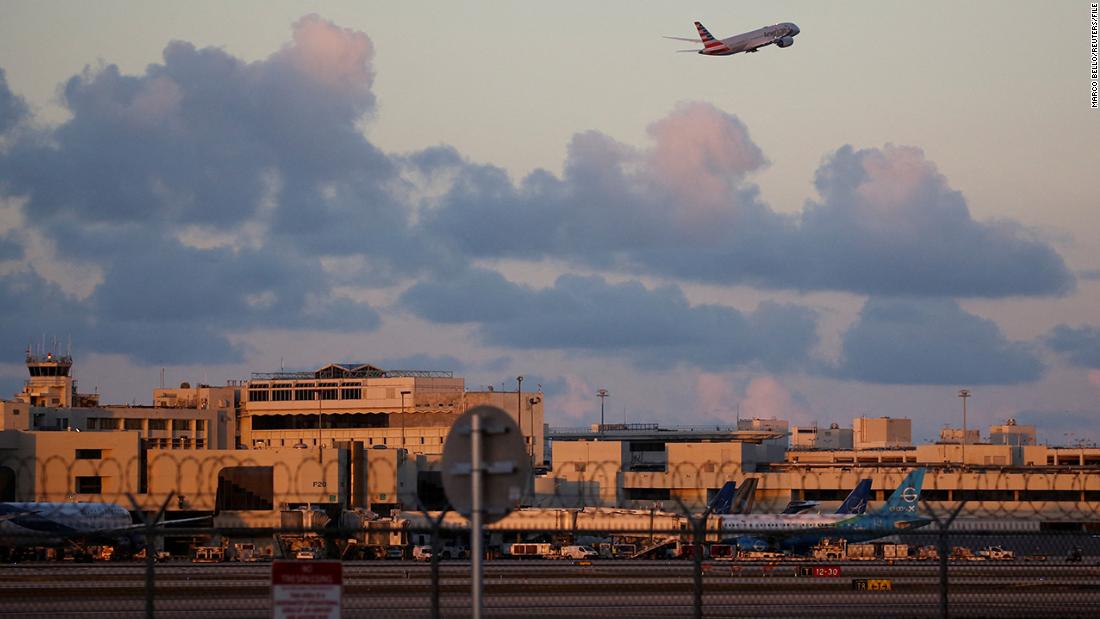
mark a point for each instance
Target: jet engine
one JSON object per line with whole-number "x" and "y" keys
{"x": 785, "y": 42}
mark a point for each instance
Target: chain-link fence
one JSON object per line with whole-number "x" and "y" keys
{"x": 200, "y": 539}
{"x": 402, "y": 568}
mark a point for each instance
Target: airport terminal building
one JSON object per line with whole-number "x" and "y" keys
{"x": 359, "y": 436}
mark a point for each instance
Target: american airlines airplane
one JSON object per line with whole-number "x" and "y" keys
{"x": 801, "y": 531}
{"x": 782, "y": 35}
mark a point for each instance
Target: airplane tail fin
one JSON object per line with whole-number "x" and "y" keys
{"x": 722, "y": 501}
{"x": 904, "y": 500}
{"x": 856, "y": 503}
{"x": 743, "y": 499}
{"x": 704, "y": 34}
{"x": 711, "y": 45}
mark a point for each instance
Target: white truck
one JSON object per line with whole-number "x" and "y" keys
{"x": 446, "y": 552}
{"x": 578, "y": 552}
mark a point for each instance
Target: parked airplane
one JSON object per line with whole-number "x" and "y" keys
{"x": 734, "y": 499}
{"x": 77, "y": 524}
{"x": 855, "y": 503}
{"x": 782, "y": 35}
{"x": 801, "y": 531}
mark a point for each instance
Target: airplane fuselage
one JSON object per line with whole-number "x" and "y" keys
{"x": 754, "y": 40}
{"x": 801, "y": 531}
{"x": 33, "y": 524}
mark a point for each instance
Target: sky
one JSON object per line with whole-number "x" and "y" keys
{"x": 897, "y": 206}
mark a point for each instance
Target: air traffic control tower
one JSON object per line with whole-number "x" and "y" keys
{"x": 51, "y": 384}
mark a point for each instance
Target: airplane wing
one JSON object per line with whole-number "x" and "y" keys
{"x": 141, "y": 525}
{"x": 14, "y": 515}
{"x": 695, "y": 40}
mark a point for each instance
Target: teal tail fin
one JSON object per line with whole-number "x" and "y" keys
{"x": 906, "y": 498}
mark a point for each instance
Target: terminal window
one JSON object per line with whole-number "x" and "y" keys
{"x": 158, "y": 424}
{"x": 89, "y": 454}
{"x": 133, "y": 424}
{"x": 89, "y": 485}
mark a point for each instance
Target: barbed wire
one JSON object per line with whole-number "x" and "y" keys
{"x": 221, "y": 481}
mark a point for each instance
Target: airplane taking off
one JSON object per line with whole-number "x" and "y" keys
{"x": 801, "y": 531}
{"x": 782, "y": 35}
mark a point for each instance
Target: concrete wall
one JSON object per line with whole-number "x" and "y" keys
{"x": 48, "y": 465}
{"x": 14, "y": 415}
{"x": 881, "y": 432}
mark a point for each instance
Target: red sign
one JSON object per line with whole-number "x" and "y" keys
{"x": 306, "y": 589}
{"x": 827, "y": 572}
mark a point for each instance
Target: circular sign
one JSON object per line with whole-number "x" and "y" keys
{"x": 505, "y": 464}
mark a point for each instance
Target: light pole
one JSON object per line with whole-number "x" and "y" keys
{"x": 531, "y": 402}
{"x": 602, "y": 394}
{"x": 403, "y": 394}
{"x": 519, "y": 406}
{"x": 964, "y": 394}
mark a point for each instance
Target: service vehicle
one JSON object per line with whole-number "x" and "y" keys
{"x": 424, "y": 552}
{"x": 578, "y": 552}
{"x": 530, "y": 550}
{"x": 997, "y": 553}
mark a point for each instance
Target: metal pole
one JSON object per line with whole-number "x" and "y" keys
{"x": 697, "y": 557}
{"x": 519, "y": 408}
{"x": 943, "y": 550}
{"x": 964, "y": 394}
{"x": 402, "y": 420}
{"x": 150, "y": 568}
{"x": 436, "y": 548}
{"x": 475, "y": 513}
{"x": 602, "y": 394}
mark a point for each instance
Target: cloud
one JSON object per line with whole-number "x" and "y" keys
{"x": 715, "y": 395}
{"x": 1062, "y": 427}
{"x": 653, "y": 328}
{"x": 766, "y": 397}
{"x": 1079, "y": 345}
{"x": 206, "y": 193}
{"x": 931, "y": 342}
{"x": 421, "y": 361}
{"x": 12, "y": 108}
{"x": 889, "y": 223}
{"x": 9, "y": 248}
{"x": 886, "y": 222}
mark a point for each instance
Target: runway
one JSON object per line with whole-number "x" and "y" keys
{"x": 564, "y": 589}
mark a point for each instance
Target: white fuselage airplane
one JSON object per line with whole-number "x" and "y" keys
{"x": 51, "y": 523}
{"x": 800, "y": 531}
{"x": 782, "y": 35}
{"x": 36, "y": 523}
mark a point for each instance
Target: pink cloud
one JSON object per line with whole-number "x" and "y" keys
{"x": 765, "y": 397}
{"x": 157, "y": 102}
{"x": 1094, "y": 378}
{"x": 701, "y": 153}
{"x": 578, "y": 403}
{"x": 715, "y": 396}
{"x": 338, "y": 57}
